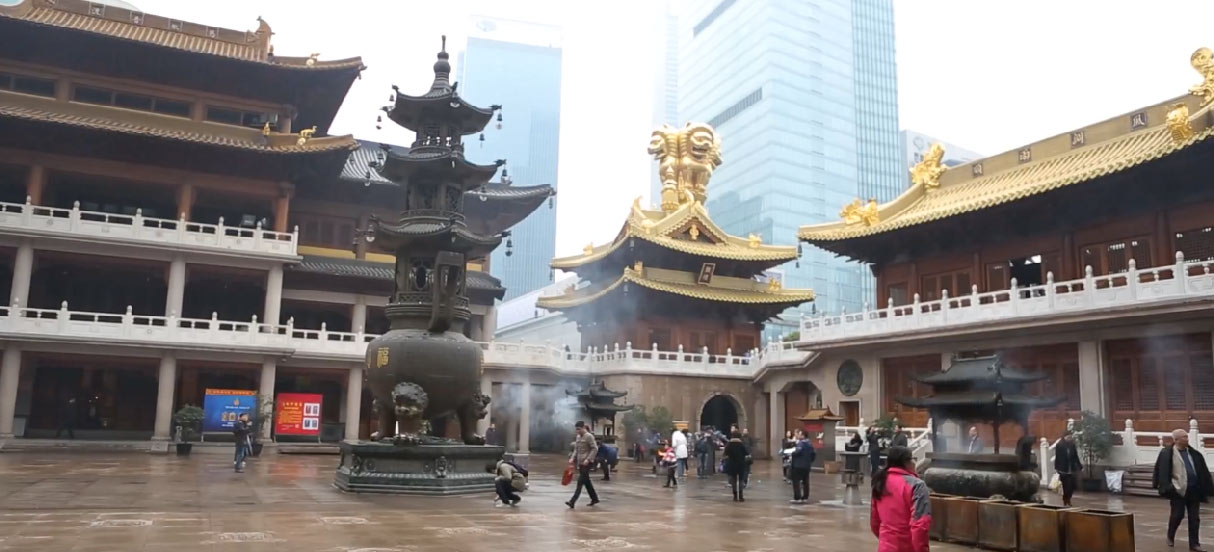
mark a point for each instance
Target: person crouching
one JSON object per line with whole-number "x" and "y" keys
{"x": 510, "y": 478}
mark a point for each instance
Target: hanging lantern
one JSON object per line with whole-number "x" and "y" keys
{"x": 550, "y": 202}
{"x": 499, "y": 120}
{"x": 379, "y": 118}
{"x": 509, "y": 243}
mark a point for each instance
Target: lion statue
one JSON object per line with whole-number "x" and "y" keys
{"x": 699, "y": 156}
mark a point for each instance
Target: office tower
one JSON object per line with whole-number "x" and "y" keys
{"x": 518, "y": 64}
{"x": 804, "y": 95}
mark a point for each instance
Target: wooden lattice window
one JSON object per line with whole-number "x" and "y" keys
{"x": 1122, "y": 376}
{"x": 1196, "y": 244}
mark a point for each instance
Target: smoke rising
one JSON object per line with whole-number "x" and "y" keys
{"x": 553, "y": 414}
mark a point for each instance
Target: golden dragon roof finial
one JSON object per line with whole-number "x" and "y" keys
{"x": 926, "y": 173}
{"x": 1178, "y": 123}
{"x": 855, "y": 213}
{"x": 1202, "y": 61}
{"x": 305, "y": 135}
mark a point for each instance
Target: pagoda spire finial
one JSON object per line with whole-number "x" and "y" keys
{"x": 444, "y": 50}
{"x": 442, "y": 69}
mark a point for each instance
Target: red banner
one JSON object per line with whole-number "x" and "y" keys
{"x": 297, "y": 414}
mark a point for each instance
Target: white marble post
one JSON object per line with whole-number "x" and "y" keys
{"x": 1091, "y": 377}
{"x": 166, "y": 384}
{"x": 358, "y": 315}
{"x": 354, "y": 401}
{"x": 175, "y": 295}
{"x": 524, "y": 427}
{"x": 269, "y": 369}
{"x": 273, "y": 296}
{"x": 10, "y": 374}
{"x": 23, "y": 270}
{"x": 775, "y": 433}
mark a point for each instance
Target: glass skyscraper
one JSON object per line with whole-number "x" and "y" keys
{"x": 804, "y": 95}
{"x": 518, "y": 65}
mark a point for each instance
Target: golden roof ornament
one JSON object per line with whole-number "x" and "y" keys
{"x": 638, "y": 266}
{"x": 312, "y": 59}
{"x": 753, "y": 240}
{"x": 855, "y": 213}
{"x": 1178, "y": 123}
{"x": 588, "y": 249}
{"x": 694, "y": 232}
{"x": 774, "y": 284}
{"x": 305, "y": 135}
{"x": 1202, "y": 61}
{"x": 265, "y": 130}
{"x": 926, "y": 173}
{"x": 686, "y": 158}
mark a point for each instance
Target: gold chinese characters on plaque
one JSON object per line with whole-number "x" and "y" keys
{"x": 381, "y": 357}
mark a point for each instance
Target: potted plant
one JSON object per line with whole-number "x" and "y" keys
{"x": 265, "y": 411}
{"x": 189, "y": 427}
{"x": 1094, "y": 438}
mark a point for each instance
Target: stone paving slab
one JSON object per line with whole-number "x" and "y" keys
{"x": 112, "y": 502}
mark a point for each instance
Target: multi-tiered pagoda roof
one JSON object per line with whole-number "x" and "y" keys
{"x": 678, "y": 252}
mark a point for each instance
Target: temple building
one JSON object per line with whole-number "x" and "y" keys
{"x": 174, "y": 218}
{"x": 597, "y": 402}
{"x": 1084, "y": 256}
{"x": 674, "y": 283}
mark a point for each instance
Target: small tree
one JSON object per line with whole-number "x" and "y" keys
{"x": 635, "y": 419}
{"x": 794, "y": 336}
{"x": 1094, "y": 438}
{"x": 189, "y": 419}
{"x": 885, "y": 426}
{"x": 661, "y": 421}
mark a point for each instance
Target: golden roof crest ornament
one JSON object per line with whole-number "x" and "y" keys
{"x": 855, "y": 213}
{"x": 638, "y": 266}
{"x": 1178, "y": 123}
{"x": 588, "y": 250}
{"x": 312, "y": 59}
{"x": 753, "y": 240}
{"x": 305, "y": 135}
{"x": 686, "y": 158}
{"x": 265, "y": 130}
{"x": 926, "y": 173}
{"x": 1202, "y": 61}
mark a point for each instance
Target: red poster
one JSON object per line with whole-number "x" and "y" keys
{"x": 297, "y": 414}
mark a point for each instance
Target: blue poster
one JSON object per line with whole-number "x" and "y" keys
{"x": 221, "y": 408}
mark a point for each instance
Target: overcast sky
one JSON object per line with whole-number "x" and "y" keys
{"x": 987, "y": 75}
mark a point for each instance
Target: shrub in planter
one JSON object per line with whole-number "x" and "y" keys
{"x": 1094, "y": 438}
{"x": 189, "y": 427}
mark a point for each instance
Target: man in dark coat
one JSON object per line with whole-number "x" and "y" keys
{"x": 1182, "y": 477}
{"x": 874, "y": 450}
{"x": 1067, "y": 464}
{"x": 900, "y": 439}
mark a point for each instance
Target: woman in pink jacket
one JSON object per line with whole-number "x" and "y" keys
{"x": 901, "y": 512}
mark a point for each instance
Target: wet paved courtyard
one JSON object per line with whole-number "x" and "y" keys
{"x": 75, "y": 501}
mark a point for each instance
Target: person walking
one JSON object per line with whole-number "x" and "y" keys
{"x": 901, "y": 513}
{"x": 242, "y": 430}
{"x": 786, "y": 443}
{"x": 67, "y": 418}
{"x": 974, "y": 444}
{"x": 509, "y": 478}
{"x": 678, "y": 440}
{"x": 737, "y": 459}
{"x": 900, "y": 439}
{"x": 1182, "y": 477}
{"x": 750, "y": 447}
{"x": 584, "y": 453}
{"x": 491, "y": 435}
{"x": 670, "y": 462}
{"x": 1067, "y": 464}
{"x": 874, "y": 451}
{"x": 802, "y": 460}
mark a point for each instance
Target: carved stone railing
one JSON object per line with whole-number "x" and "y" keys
{"x": 96, "y": 226}
{"x": 71, "y": 326}
{"x": 1091, "y": 294}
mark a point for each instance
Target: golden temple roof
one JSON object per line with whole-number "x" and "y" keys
{"x": 1071, "y": 158}
{"x": 687, "y": 229}
{"x": 127, "y": 121}
{"x": 677, "y": 282}
{"x": 122, "y": 23}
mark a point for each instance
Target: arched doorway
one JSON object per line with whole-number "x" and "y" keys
{"x": 720, "y": 412}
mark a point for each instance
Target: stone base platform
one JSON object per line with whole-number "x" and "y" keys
{"x": 431, "y": 469}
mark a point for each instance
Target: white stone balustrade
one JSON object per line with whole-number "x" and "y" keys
{"x": 36, "y": 220}
{"x": 252, "y": 336}
{"x": 1183, "y": 280}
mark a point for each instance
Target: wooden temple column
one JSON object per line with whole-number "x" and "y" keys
{"x": 35, "y": 183}
{"x": 185, "y": 201}
{"x": 282, "y": 205}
